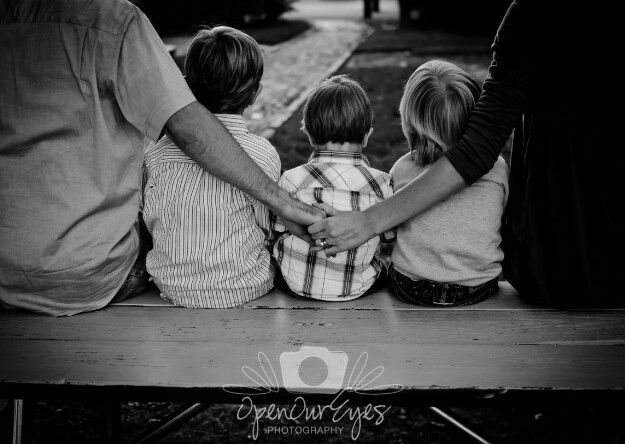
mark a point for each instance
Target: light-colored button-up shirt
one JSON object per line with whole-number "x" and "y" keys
{"x": 345, "y": 181}
{"x": 81, "y": 84}
{"x": 210, "y": 238}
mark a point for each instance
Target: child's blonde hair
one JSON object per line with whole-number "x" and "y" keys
{"x": 338, "y": 110}
{"x": 437, "y": 101}
{"x": 223, "y": 68}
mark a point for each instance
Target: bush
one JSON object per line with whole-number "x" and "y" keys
{"x": 186, "y": 15}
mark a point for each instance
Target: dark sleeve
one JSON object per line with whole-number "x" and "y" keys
{"x": 503, "y": 97}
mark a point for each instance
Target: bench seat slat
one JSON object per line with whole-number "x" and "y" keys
{"x": 506, "y": 299}
{"x": 419, "y": 349}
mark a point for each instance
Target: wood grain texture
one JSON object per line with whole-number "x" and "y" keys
{"x": 421, "y": 349}
{"x": 506, "y": 299}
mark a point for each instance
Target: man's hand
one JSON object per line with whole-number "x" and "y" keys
{"x": 290, "y": 209}
{"x": 343, "y": 230}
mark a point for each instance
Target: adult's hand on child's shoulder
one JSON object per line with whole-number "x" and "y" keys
{"x": 290, "y": 209}
{"x": 342, "y": 230}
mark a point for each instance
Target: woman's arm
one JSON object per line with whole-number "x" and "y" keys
{"x": 500, "y": 105}
{"x": 350, "y": 229}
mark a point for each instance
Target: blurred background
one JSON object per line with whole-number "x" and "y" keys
{"x": 379, "y": 43}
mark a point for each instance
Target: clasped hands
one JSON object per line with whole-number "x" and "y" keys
{"x": 333, "y": 231}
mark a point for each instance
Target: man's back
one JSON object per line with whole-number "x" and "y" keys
{"x": 81, "y": 84}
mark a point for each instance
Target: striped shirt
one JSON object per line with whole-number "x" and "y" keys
{"x": 210, "y": 238}
{"x": 345, "y": 181}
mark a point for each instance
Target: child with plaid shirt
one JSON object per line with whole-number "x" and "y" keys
{"x": 337, "y": 119}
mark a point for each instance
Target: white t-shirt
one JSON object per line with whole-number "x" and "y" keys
{"x": 457, "y": 241}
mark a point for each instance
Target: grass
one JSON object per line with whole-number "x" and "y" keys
{"x": 384, "y": 88}
{"x": 276, "y": 32}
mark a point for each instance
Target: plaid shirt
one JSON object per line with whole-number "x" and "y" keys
{"x": 345, "y": 181}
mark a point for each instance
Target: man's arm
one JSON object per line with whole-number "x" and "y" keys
{"x": 202, "y": 137}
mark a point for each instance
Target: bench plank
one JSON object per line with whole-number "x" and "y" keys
{"x": 151, "y": 349}
{"x": 506, "y": 299}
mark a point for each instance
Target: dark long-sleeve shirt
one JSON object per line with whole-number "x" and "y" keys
{"x": 554, "y": 81}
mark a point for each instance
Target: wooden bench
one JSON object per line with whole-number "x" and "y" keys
{"x": 499, "y": 351}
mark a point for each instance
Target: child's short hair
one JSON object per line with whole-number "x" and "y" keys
{"x": 438, "y": 99}
{"x": 338, "y": 110}
{"x": 223, "y": 68}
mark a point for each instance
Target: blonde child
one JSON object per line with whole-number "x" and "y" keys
{"x": 451, "y": 254}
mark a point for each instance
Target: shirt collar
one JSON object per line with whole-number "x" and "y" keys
{"x": 347, "y": 157}
{"x": 233, "y": 122}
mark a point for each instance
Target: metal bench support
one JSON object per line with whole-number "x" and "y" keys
{"x": 458, "y": 425}
{"x": 18, "y": 420}
{"x": 171, "y": 424}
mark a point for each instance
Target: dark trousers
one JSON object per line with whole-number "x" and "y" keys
{"x": 138, "y": 278}
{"x": 429, "y": 293}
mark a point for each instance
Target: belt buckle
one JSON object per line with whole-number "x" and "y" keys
{"x": 442, "y": 295}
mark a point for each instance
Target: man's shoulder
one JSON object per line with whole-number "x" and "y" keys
{"x": 105, "y": 15}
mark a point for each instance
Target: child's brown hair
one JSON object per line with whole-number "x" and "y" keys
{"x": 338, "y": 110}
{"x": 223, "y": 68}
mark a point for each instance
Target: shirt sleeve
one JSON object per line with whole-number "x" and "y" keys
{"x": 503, "y": 98}
{"x": 147, "y": 84}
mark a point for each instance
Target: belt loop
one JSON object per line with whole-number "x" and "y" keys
{"x": 445, "y": 296}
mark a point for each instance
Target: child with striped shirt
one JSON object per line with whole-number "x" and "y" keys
{"x": 210, "y": 238}
{"x": 337, "y": 119}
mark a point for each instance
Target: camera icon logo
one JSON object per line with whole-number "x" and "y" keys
{"x": 313, "y": 369}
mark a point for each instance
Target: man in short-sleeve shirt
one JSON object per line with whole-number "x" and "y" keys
{"x": 81, "y": 84}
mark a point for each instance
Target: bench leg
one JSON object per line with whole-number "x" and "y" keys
{"x": 18, "y": 421}
{"x": 172, "y": 424}
{"x": 458, "y": 425}
{"x": 114, "y": 421}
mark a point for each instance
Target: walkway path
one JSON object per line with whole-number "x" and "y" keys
{"x": 293, "y": 67}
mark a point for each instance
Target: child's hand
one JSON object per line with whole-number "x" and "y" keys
{"x": 298, "y": 230}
